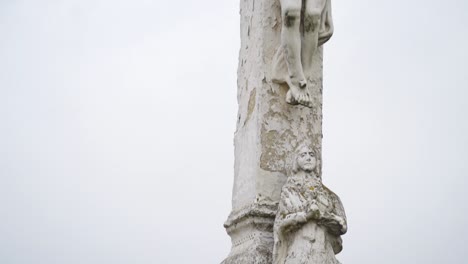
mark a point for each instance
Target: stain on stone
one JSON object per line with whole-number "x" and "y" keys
{"x": 311, "y": 23}
{"x": 289, "y": 19}
{"x": 275, "y": 150}
{"x": 251, "y": 105}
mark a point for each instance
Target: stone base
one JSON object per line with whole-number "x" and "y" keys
{"x": 251, "y": 231}
{"x": 259, "y": 250}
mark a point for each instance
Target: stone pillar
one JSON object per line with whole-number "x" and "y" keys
{"x": 268, "y": 131}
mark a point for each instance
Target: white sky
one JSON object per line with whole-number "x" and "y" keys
{"x": 117, "y": 121}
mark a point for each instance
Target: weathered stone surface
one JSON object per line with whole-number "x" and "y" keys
{"x": 268, "y": 131}
{"x": 307, "y": 24}
{"x": 310, "y": 218}
{"x": 250, "y": 229}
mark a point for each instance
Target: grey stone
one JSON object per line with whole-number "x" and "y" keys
{"x": 269, "y": 130}
{"x": 310, "y": 217}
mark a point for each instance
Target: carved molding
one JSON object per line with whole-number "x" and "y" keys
{"x": 260, "y": 214}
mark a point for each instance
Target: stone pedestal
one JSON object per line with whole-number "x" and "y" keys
{"x": 268, "y": 131}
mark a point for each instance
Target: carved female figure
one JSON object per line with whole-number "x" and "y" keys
{"x": 307, "y": 24}
{"x": 310, "y": 218}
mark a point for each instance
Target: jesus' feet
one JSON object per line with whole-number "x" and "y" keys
{"x": 299, "y": 94}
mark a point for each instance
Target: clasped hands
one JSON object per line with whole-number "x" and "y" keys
{"x": 333, "y": 222}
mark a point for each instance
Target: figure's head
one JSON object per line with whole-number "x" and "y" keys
{"x": 306, "y": 159}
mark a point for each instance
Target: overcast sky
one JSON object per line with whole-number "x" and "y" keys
{"x": 117, "y": 122}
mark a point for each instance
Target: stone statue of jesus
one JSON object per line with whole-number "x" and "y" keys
{"x": 307, "y": 24}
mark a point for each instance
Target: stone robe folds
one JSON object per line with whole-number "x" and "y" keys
{"x": 304, "y": 238}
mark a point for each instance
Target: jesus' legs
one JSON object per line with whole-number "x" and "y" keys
{"x": 312, "y": 15}
{"x": 291, "y": 42}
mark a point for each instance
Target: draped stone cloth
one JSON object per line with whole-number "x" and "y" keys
{"x": 301, "y": 238}
{"x": 280, "y": 69}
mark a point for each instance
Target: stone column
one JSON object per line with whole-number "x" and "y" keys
{"x": 268, "y": 131}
